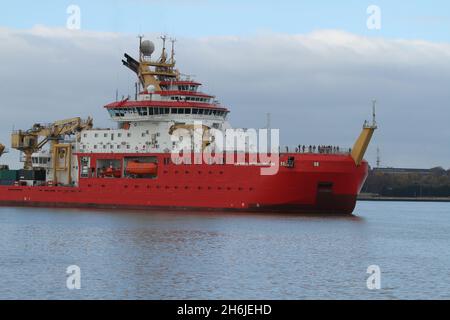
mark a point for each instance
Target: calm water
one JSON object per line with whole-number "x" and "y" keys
{"x": 140, "y": 255}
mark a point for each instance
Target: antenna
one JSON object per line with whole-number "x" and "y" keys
{"x": 135, "y": 91}
{"x": 163, "y": 54}
{"x": 374, "y": 123}
{"x": 378, "y": 157}
{"x": 268, "y": 135}
{"x": 140, "y": 36}
{"x": 173, "y": 50}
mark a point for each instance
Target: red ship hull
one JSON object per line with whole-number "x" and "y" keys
{"x": 317, "y": 183}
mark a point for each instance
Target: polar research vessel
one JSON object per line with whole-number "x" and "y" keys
{"x": 69, "y": 163}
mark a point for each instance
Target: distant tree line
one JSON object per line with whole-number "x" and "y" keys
{"x": 435, "y": 183}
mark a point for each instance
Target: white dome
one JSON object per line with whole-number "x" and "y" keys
{"x": 147, "y": 47}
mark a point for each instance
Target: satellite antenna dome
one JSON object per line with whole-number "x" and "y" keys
{"x": 151, "y": 88}
{"x": 147, "y": 48}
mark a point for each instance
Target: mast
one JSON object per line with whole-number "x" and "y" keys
{"x": 172, "y": 56}
{"x": 141, "y": 56}
{"x": 151, "y": 73}
{"x": 163, "y": 53}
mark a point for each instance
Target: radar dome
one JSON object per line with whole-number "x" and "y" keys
{"x": 147, "y": 47}
{"x": 151, "y": 88}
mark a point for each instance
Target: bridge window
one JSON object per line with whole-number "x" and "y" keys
{"x": 142, "y": 111}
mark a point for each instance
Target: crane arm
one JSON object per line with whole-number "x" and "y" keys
{"x": 28, "y": 143}
{"x": 361, "y": 144}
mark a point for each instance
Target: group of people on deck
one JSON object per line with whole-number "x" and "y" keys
{"x": 313, "y": 149}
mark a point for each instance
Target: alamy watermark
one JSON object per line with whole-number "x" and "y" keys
{"x": 73, "y": 21}
{"x": 374, "y": 19}
{"x": 199, "y": 144}
{"x": 74, "y": 279}
{"x": 374, "y": 280}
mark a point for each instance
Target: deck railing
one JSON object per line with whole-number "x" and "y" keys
{"x": 315, "y": 149}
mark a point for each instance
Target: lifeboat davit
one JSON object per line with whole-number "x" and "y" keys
{"x": 136, "y": 167}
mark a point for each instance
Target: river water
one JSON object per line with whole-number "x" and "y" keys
{"x": 189, "y": 255}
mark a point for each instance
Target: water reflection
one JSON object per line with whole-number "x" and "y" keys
{"x": 196, "y": 255}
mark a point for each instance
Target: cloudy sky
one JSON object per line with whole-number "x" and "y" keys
{"x": 314, "y": 65}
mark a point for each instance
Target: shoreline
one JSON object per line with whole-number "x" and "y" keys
{"x": 409, "y": 199}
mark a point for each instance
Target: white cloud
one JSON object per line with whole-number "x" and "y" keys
{"x": 317, "y": 86}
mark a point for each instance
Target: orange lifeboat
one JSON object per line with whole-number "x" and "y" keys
{"x": 136, "y": 167}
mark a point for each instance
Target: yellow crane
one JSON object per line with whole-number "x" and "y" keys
{"x": 28, "y": 141}
{"x": 361, "y": 144}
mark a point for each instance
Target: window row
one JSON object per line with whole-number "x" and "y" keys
{"x": 111, "y": 146}
{"x": 196, "y": 99}
{"x": 105, "y": 135}
{"x": 145, "y": 111}
{"x": 187, "y": 87}
{"x": 41, "y": 160}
